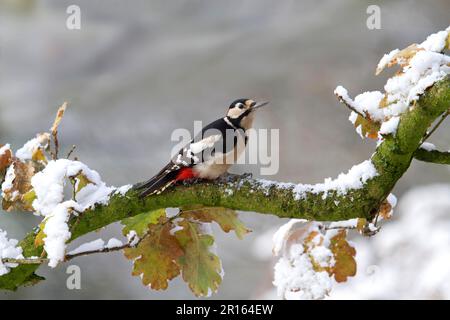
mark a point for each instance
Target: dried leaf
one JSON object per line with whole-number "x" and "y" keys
{"x": 369, "y": 128}
{"x": 345, "y": 264}
{"x": 59, "y": 116}
{"x": 227, "y": 219}
{"x": 201, "y": 268}
{"x": 155, "y": 257}
{"x": 312, "y": 240}
{"x": 385, "y": 211}
{"x": 404, "y": 56}
{"x": 13, "y": 197}
{"x": 5, "y": 159}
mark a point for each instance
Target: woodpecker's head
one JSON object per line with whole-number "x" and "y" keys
{"x": 242, "y": 111}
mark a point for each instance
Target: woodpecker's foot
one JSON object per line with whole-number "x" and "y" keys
{"x": 192, "y": 181}
{"x": 370, "y": 230}
{"x": 247, "y": 175}
{"x": 231, "y": 177}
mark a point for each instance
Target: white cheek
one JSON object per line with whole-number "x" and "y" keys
{"x": 234, "y": 113}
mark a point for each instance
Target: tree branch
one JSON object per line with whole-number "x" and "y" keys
{"x": 433, "y": 156}
{"x": 391, "y": 159}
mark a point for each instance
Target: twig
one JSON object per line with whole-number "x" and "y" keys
{"x": 103, "y": 250}
{"x": 25, "y": 260}
{"x": 130, "y": 244}
{"x": 348, "y": 105}
{"x": 339, "y": 228}
{"x": 436, "y": 126}
{"x": 71, "y": 151}
{"x": 69, "y": 257}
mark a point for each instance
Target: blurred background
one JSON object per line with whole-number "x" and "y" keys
{"x": 137, "y": 70}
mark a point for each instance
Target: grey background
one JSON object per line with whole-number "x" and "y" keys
{"x": 137, "y": 70}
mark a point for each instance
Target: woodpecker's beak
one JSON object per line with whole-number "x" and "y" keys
{"x": 260, "y": 104}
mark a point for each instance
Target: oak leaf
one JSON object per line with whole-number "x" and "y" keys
{"x": 200, "y": 267}
{"x": 14, "y": 196}
{"x": 155, "y": 256}
{"x": 141, "y": 222}
{"x": 344, "y": 256}
{"x": 227, "y": 219}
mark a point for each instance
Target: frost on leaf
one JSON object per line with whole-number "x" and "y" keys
{"x": 344, "y": 256}
{"x": 227, "y": 219}
{"x": 200, "y": 267}
{"x": 310, "y": 257}
{"x": 302, "y": 272}
{"x": 34, "y": 150}
{"x": 400, "y": 57}
{"x": 155, "y": 257}
{"x": 8, "y": 249}
{"x": 421, "y": 66}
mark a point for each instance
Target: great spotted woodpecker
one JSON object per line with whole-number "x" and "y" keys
{"x": 211, "y": 154}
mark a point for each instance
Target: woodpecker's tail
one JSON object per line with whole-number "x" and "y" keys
{"x": 157, "y": 184}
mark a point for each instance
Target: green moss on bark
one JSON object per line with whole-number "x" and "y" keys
{"x": 391, "y": 159}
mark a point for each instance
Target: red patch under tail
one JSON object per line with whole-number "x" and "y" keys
{"x": 185, "y": 174}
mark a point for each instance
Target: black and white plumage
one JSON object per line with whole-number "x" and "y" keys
{"x": 212, "y": 153}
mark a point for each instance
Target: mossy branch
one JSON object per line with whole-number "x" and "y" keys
{"x": 391, "y": 159}
{"x": 433, "y": 156}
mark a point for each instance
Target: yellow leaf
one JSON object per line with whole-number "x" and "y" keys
{"x": 369, "y": 128}
{"x": 81, "y": 182}
{"x": 28, "y": 199}
{"x": 38, "y": 155}
{"x": 141, "y": 223}
{"x": 39, "y": 239}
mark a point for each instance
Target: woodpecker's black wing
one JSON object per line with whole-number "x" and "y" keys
{"x": 213, "y": 138}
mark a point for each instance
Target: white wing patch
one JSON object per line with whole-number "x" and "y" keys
{"x": 187, "y": 156}
{"x": 201, "y": 145}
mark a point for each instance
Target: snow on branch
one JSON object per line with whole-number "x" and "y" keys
{"x": 432, "y": 156}
{"x": 376, "y": 114}
{"x": 312, "y": 256}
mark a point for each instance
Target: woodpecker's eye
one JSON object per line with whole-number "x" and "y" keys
{"x": 240, "y": 105}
